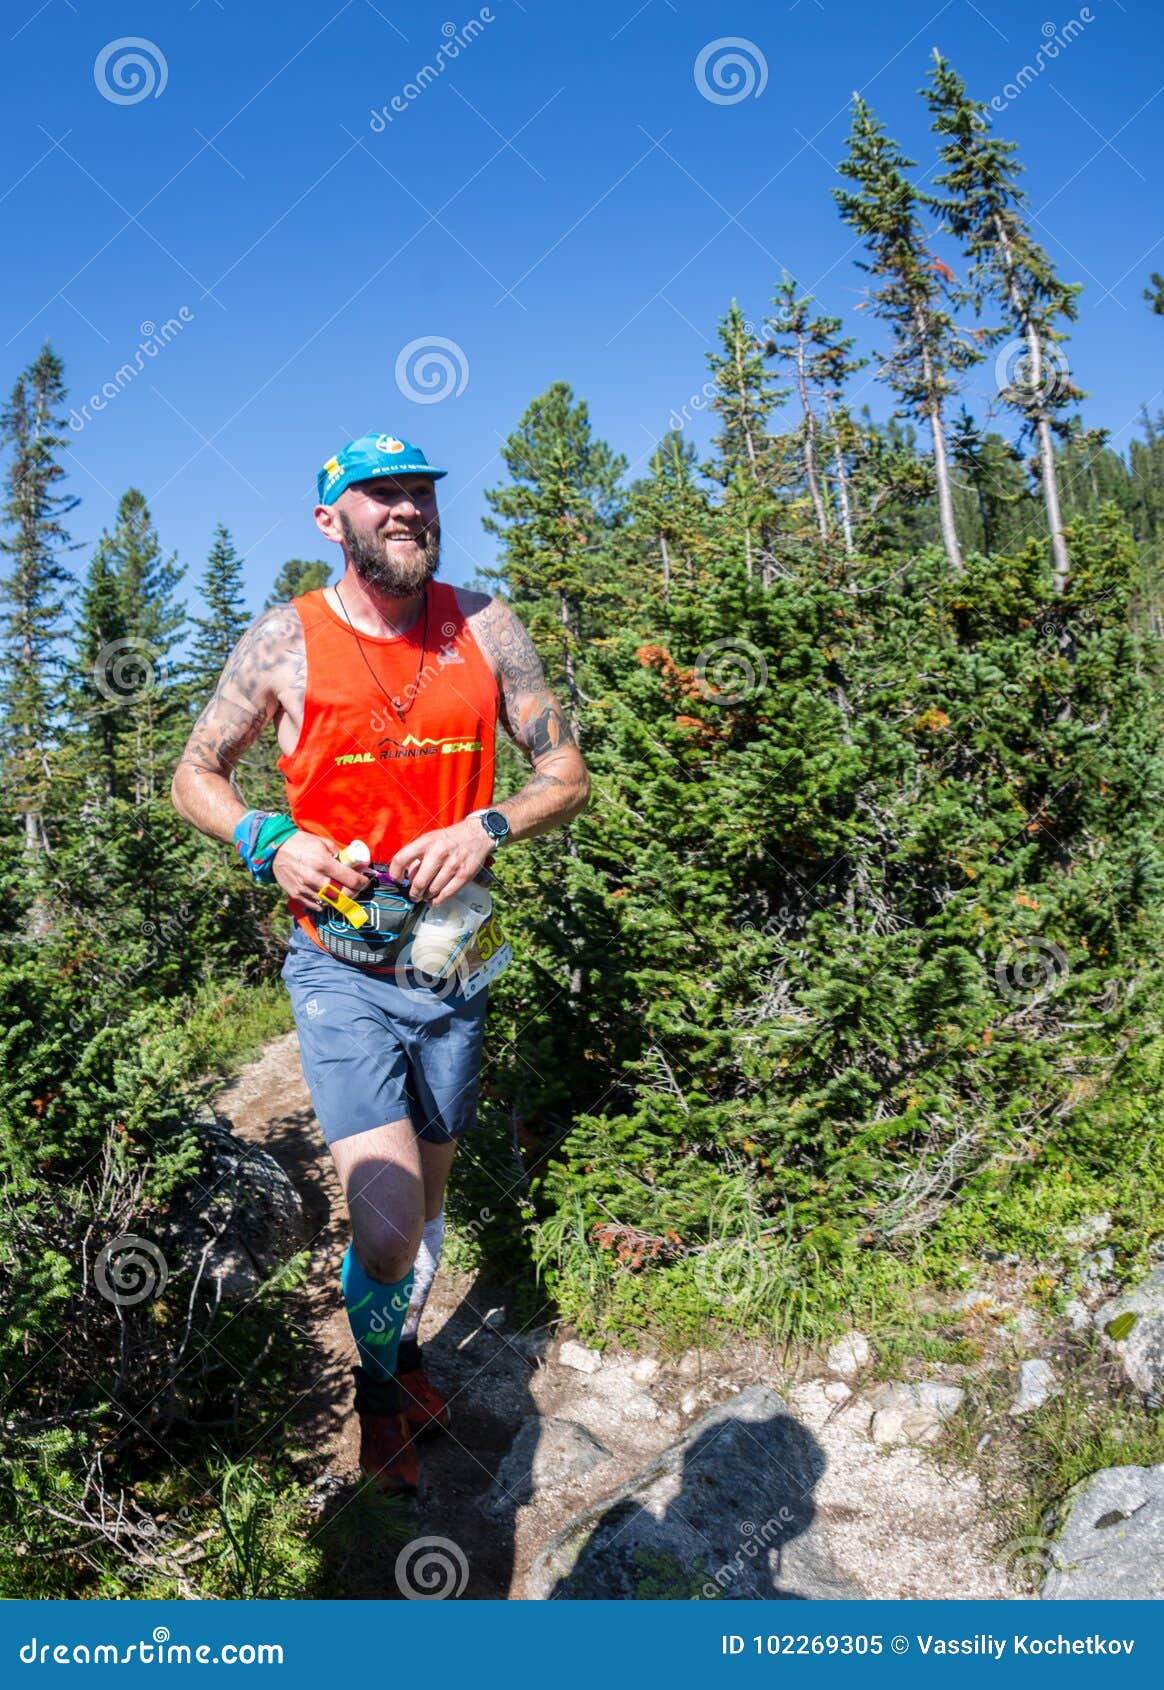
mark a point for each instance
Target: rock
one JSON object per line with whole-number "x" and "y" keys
{"x": 912, "y": 1414}
{"x": 849, "y": 1354}
{"x": 689, "y": 1365}
{"x": 1087, "y": 1231}
{"x": 1077, "y": 1314}
{"x": 1097, "y": 1268}
{"x": 533, "y": 1345}
{"x": 644, "y": 1370}
{"x": 726, "y": 1512}
{"x": 836, "y": 1390}
{"x": 1112, "y": 1545}
{"x": 615, "y": 1394}
{"x": 544, "y": 1454}
{"x": 237, "y": 1222}
{"x": 1036, "y": 1383}
{"x": 575, "y": 1355}
{"x": 1134, "y": 1323}
{"x": 689, "y": 1402}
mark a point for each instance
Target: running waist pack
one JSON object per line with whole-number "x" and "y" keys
{"x": 391, "y": 913}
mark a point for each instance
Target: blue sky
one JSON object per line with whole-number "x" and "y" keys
{"x": 558, "y": 199}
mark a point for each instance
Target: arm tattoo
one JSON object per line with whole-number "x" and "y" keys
{"x": 268, "y": 659}
{"x": 530, "y": 713}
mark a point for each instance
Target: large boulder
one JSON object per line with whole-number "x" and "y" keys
{"x": 1112, "y": 1543}
{"x": 1134, "y": 1323}
{"x": 544, "y": 1455}
{"x": 237, "y": 1222}
{"x": 725, "y": 1512}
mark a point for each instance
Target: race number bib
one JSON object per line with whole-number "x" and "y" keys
{"x": 488, "y": 954}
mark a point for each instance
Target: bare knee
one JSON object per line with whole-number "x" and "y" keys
{"x": 384, "y": 1250}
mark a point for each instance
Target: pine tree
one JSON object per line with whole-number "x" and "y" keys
{"x": 984, "y": 209}
{"x": 296, "y": 577}
{"x": 927, "y": 349}
{"x": 217, "y": 633}
{"x": 1155, "y": 294}
{"x": 748, "y": 463}
{"x": 670, "y": 511}
{"x": 100, "y": 638}
{"x": 153, "y": 623}
{"x": 32, "y": 688}
{"x": 552, "y": 520}
{"x": 791, "y": 324}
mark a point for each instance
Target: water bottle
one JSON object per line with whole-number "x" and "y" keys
{"x": 441, "y": 936}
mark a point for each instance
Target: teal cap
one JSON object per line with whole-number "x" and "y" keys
{"x": 371, "y": 455}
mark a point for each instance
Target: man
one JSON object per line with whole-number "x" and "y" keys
{"x": 384, "y": 692}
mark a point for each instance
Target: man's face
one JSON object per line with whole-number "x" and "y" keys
{"x": 392, "y": 534}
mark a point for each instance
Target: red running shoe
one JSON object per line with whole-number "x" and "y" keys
{"x": 388, "y": 1453}
{"x": 424, "y": 1407}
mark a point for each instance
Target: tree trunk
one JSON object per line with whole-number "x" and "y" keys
{"x": 842, "y": 485}
{"x": 810, "y": 474}
{"x": 1037, "y": 414}
{"x": 941, "y": 460}
{"x": 666, "y": 556}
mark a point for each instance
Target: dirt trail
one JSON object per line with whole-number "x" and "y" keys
{"x": 896, "y": 1525}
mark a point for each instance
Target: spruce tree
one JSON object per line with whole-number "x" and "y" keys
{"x": 33, "y": 590}
{"x": 298, "y": 576}
{"x": 911, "y": 293}
{"x": 747, "y": 464}
{"x": 790, "y": 325}
{"x": 96, "y": 713}
{"x": 552, "y": 518}
{"x": 670, "y": 511}
{"x": 984, "y": 209}
{"x": 219, "y": 631}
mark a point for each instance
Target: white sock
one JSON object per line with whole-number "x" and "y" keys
{"x": 424, "y": 1271}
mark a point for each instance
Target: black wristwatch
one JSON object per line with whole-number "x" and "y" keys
{"x": 496, "y": 825}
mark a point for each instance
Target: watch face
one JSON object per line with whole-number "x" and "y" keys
{"x": 495, "y": 823}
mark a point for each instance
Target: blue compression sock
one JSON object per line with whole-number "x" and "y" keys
{"x": 376, "y": 1312}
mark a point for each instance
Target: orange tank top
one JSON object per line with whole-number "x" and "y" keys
{"x": 357, "y": 771}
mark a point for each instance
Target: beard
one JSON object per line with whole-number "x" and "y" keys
{"x": 376, "y": 563}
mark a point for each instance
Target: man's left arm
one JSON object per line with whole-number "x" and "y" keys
{"x": 440, "y": 862}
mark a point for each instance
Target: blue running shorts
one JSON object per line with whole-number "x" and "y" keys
{"x": 374, "y": 1051}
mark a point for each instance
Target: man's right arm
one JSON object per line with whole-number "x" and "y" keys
{"x": 244, "y": 701}
{"x": 268, "y": 660}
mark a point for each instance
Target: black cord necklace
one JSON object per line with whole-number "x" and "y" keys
{"x": 419, "y": 668}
